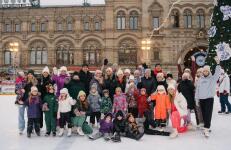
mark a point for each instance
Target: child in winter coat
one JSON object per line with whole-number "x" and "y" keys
{"x": 118, "y": 126}
{"x": 132, "y": 96}
{"x": 34, "y": 111}
{"x": 142, "y": 102}
{"x": 120, "y": 102}
{"x": 163, "y": 106}
{"x": 50, "y": 107}
{"x": 105, "y": 130}
{"x": 106, "y": 104}
{"x": 132, "y": 129}
{"x": 64, "y": 111}
{"x": 178, "y": 111}
{"x": 80, "y": 109}
{"x": 94, "y": 100}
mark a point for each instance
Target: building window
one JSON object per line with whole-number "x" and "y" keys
{"x": 64, "y": 54}
{"x": 128, "y": 52}
{"x": 86, "y": 26}
{"x": 7, "y": 57}
{"x": 17, "y": 27}
{"x": 59, "y": 27}
{"x": 175, "y": 19}
{"x": 156, "y": 55}
{"x": 43, "y": 27}
{"x": 91, "y": 53}
{"x": 133, "y": 23}
{"x": 33, "y": 27}
{"x": 121, "y": 21}
{"x": 38, "y": 53}
{"x": 8, "y": 27}
{"x": 97, "y": 26}
{"x": 188, "y": 19}
{"x": 156, "y": 22}
{"x": 200, "y": 19}
{"x": 69, "y": 23}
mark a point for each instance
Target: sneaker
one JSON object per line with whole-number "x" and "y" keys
{"x": 80, "y": 131}
{"x": 38, "y": 133}
{"x": 20, "y": 132}
{"x": 61, "y": 130}
{"x": 29, "y": 135}
{"x": 69, "y": 132}
{"x": 206, "y": 132}
{"x": 91, "y": 137}
{"x": 221, "y": 112}
{"x": 227, "y": 113}
{"x": 174, "y": 134}
{"x": 47, "y": 134}
{"x": 116, "y": 138}
{"x": 53, "y": 134}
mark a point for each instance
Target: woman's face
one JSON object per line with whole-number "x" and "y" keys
{"x": 171, "y": 91}
{"x": 30, "y": 76}
{"x": 82, "y": 97}
{"x": 120, "y": 76}
{"x": 127, "y": 74}
{"x": 131, "y": 119}
{"x": 45, "y": 74}
{"x": 109, "y": 72}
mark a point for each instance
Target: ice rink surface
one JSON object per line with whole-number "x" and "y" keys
{"x": 220, "y": 138}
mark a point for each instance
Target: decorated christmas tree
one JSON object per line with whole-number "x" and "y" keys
{"x": 220, "y": 35}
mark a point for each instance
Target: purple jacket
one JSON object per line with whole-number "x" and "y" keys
{"x": 105, "y": 127}
{"x": 59, "y": 81}
{"x": 34, "y": 107}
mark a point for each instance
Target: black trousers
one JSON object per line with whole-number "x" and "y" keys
{"x": 207, "y": 111}
{"x": 65, "y": 118}
{"x": 94, "y": 115}
{"x": 33, "y": 122}
{"x": 133, "y": 111}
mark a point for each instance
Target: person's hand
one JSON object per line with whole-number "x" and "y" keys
{"x": 179, "y": 61}
{"x": 217, "y": 60}
{"x": 55, "y": 71}
{"x": 225, "y": 92}
{"x": 58, "y": 116}
{"x": 21, "y": 102}
{"x": 193, "y": 58}
{"x": 22, "y": 90}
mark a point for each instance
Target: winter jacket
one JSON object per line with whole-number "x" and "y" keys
{"x": 65, "y": 105}
{"x": 34, "y": 107}
{"x": 81, "y": 108}
{"x": 133, "y": 131}
{"x": 52, "y": 103}
{"x": 121, "y": 84}
{"x": 120, "y": 103}
{"x": 181, "y": 104}
{"x": 162, "y": 105}
{"x": 187, "y": 88}
{"x": 85, "y": 78}
{"x": 94, "y": 102}
{"x": 106, "y": 105}
{"x": 27, "y": 88}
{"x": 206, "y": 86}
{"x": 142, "y": 104}
{"x": 224, "y": 84}
{"x": 59, "y": 81}
{"x": 99, "y": 86}
{"x": 19, "y": 85}
{"x": 74, "y": 86}
{"x": 109, "y": 85}
{"x": 42, "y": 84}
{"x": 105, "y": 127}
{"x": 119, "y": 125}
{"x": 149, "y": 84}
{"x": 132, "y": 98}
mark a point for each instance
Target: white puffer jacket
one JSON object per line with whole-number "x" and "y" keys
{"x": 65, "y": 105}
{"x": 224, "y": 83}
{"x": 181, "y": 104}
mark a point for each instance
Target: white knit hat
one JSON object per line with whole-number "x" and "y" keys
{"x": 131, "y": 77}
{"x": 64, "y": 91}
{"x": 33, "y": 88}
{"x": 119, "y": 72}
{"x": 127, "y": 71}
{"x": 160, "y": 87}
{"x": 206, "y": 68}
{"x": 63, "y": 68}
{"x": 171, "y": 86}
{"x": 46, "y": 69}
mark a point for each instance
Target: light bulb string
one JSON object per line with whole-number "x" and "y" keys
{"x": 165, "y": 20}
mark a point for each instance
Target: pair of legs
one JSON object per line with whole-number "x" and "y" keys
{"x": 65, "y": 118}
{"x": 207, "y": 110}
{"x": 33, "y": 123}
{"x": 176, "y": 122}
{"x": 21, "y": 118}
{"x": 224, "y": 100}
{"x": 50, "y": 120}
{"x": 94, "y": 115}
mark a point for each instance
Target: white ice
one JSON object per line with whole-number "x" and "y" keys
{"x": 10, "y": 139}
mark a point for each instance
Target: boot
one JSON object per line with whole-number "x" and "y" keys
{"x": 116, "y": 138}
{"x": 107, "y": 137}
{"x": 174, "y": 134}
{"x": 61, "y": 130}
{"x": 206, "y": 132}
{"x": 69, "y": 132}
{"x": 54, "y": 134}
{"x": 80, "y": 131}
{"x": 139, "y": 136}
{"x": 47, "y": 134}
{"x": 29, "y": 135}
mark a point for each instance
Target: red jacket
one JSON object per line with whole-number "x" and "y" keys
{"x": 142, "y": 104}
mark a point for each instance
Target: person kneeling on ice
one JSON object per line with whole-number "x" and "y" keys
{"x": 205, "y": 92}
{"x": 132, "y": 130}
{"x": 178, "y": 111}
{"x": 118, "y": 126}
{"x": 105, "y": 130}
{"x": 80, "y": 109}
{"x": 50, "y": 107}
{"x": 64, "y": 111}
{"x": 34, "y": 111}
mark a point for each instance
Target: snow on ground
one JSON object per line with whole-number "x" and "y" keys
{"x": 10, "y": 139}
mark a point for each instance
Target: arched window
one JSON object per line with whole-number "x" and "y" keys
{"x": 33, "y": 25}
{"x": 69, "y": 23}
{"x": 43, "y": 25}
{"x": 10, "y": 54}
{"x": 120, "y": 20}
{"x": 92, "y": 52}
{"x": 97, "y": 23}
{"x": 187, "y": 19}
{"x": 38, "y": 53}
{"x": 133, "y": 21}
{"x": 175, "y": 19}
{"x": 200, "y": 18}
{"x": 8, "y": 25}
{"x": 59, "y": 24}
{"x": 127, "y": 52}
{"x": 64, "y": 53}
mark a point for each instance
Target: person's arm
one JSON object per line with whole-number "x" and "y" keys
{"x": 193, "y": 68}
{"x": 217, "y": 70}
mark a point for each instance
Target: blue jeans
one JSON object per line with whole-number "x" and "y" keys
{"x": 224, "y": 100}
{"x": 21, "y": 118}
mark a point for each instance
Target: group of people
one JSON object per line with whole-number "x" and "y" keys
{"x": 118, "y": 102}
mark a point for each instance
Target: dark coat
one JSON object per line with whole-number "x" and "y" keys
{"x": 149, "y": 84}
{"x": 187, "y": 88}
{"x": 27, "y": 89}
{"x": 42, "y": 84}
{"x": 74, "y": 86}
{"x": 119, "y": 125}
{"x": 122, "y": 84}
{"x": 109, "y": 85}
{"x": 85, "y": 78}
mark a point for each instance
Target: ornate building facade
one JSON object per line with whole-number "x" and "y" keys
{"x": 73, "y": 35}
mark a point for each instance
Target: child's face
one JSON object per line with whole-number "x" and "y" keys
{"x": 51, "y": 90}
{"x": 108, "y": 119}
{"x": 34, "y": 92}
{"x": 143, "y": 92}
{"x": 131, "y": 119}
{"x": 82, "y": 97}
{"x": 93, "y": 90}
{"x": 161, "y": 91}
{"x": 118, "y": 92}
{"x": 106, "y": 95}
{"x": 63, "y": 95}
{"x": 119, "y": 117}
